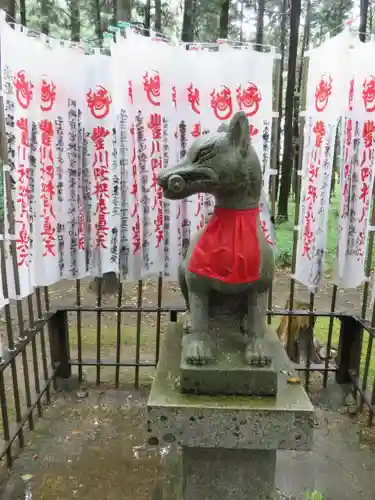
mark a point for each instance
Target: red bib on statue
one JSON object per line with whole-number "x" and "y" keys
{"x": 228, "y": 249}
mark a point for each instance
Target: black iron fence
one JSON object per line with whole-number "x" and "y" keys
{"x": 59, "y": 341}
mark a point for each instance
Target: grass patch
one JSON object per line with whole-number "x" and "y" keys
{"x": 284, "y": 235}
{"x": 108, "y": 336}
{"x": 314, "y": 495}
{"x": 148, "y": 339}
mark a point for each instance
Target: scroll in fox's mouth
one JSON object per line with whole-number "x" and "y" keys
{"x": 185, "y": 180}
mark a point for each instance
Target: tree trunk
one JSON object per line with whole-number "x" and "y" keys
{"x": 260, "y": 25}
{"x": 158, "y": 16}
{"x": 287, "y": 163}
{"x": 11, "y": 11}
{"x": 281, "y": 87}
{"x": 114, "y": 13}
{"x": 370, "y": 21}
{"x": 45, "y": 17}
{"x": 147, "y": 23}
{"x": 224, "y": 19}
{"x": 108, "y": 286}
{"x": 187, "y": 34}
{"x": 124, "y": 10}
{"x": 75, "y": 23}
{"x": 363, "y": 19}
{"x": 98, "y": 21}
{"x": 297, "y": 100}
{"x": 241, "y": 20}
{"x": 23, "y": 12}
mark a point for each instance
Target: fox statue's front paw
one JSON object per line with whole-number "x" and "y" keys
{"x": 257, "y": 355}
{"x": 197, "y": 349}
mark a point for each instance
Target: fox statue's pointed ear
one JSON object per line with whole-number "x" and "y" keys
{"x": 223, "y": 128}
{"x": 239, "y": 131}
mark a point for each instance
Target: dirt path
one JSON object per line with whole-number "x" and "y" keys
{"x": 96, "y": 447}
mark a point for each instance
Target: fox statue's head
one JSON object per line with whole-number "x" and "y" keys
{"x": 223, "y": 164}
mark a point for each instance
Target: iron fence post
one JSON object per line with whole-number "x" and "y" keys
{"x": 349, "y": 349}
{"x": 59, "y": 342}
{"x": 173, "y": 316}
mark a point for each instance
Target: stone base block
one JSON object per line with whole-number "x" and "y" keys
{"x": 217, "y": 474}
{"x": 230, "y": 375}
{"x": 213, "y": 474}
{"x": 284, "y": 422}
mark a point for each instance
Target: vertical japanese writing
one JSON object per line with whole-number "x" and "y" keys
{"x": 123, "y": 163}
{"x": 366, "y": 163}
{"x": 309, "y": 233}
{"x": 115, "y": 184}
{"x": 185, "y": 232}
{"x": 142, "y": 166}
{"x": 32, "y": 175}
{"x": 265, "y": 153}
{"x": 266, "y": 231}
{"x": 80, "y": 184}
{"x": 352, "y": 231}
{"x": 348, "y": 134}
{"x": 86, "y": 193}
{"x": 101, "y": 184}
{"x": 23, "y": 194}
{"x": 155, "y": 125}
{"x": 72, "y": 225}
{"x": 134, "y": 214}
{"x": 48, "y": 187}
{"x": 167, "y": 211}
{"x": 59, "y": 146}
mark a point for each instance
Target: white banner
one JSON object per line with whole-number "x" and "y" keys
{"x": 86, "y": 145}
{"x": 357, "y": 168}
{"x": 324, "y": 106}
{"x": 20, "y": 82}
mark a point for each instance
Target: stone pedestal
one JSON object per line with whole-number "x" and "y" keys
{"x": 213, "y": 474}
{"x": 230, "y": 374}
{"x": 229, "y": 443}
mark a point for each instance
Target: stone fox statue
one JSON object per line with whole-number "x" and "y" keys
{"x": 229, "y": 260}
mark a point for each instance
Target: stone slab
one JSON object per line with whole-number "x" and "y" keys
{"x": 212, "y": 474}
{"x": 230, "y": 374}
{"x": 283, "y": 422}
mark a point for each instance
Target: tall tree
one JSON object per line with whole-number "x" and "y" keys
{"x": 44, "y": 11}
{"x": 147, "y": 21}
{"x": 363, "y": 19}
{"x": 188, "y": 23}
{"x": 114, "y": 13}
{"x": 370, "y": 20}
{"x": 158, "y": 15}
{"x": 23, "y": 12}
{"x": 224, "y": 19}
{"x": 98, "y": 20}
{"x": 304, "y": 48}
{"x": 242, "y": 19}
{"x": 124, "y": 10}
{"x": 260, "y": 24}
{"x": 75, "y": 23}
{"x": 287, "y": 162}
{"x": 283, "y": 35}
{"x": 11, "y": 11}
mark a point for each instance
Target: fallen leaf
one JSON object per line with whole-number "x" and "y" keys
{"x": 26, "y": 477}
{"x": 293, "y": 380}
